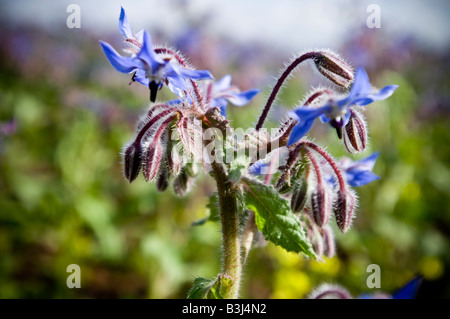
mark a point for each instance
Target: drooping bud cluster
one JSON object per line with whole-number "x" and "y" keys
{"x": 318, "y": 190}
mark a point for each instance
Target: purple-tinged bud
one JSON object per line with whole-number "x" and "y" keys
{"x": 182, "y": 183}
{"x": 355, "y": 133}
{"x": 163, "y": 181}
{"x": 132, "y": 161}
{"x": 329, "y": 244}
{"x": 320, "y": 206}
{"x": 187, "y": 135}
{"x": 334, "y": 68}
{"x": 152, "y": 160}
{"x": 298, "y": 199}
{"x": 328, "y": 291}
{"x": 344, "y": 208}
{"x": 318, "y": 244}
{"x": 174, "y": 160}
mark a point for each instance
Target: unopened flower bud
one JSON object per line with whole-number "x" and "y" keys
{"x": 298, "y": 199}
{"x": 182, "y": 183}
{"x": 163, "y": 181}
{"x": 152, "y": 160}
{"x": 318, "y": 244}
{"x": 344, "y": 208}
{"x": 334, "y": 68}
{"x": 328, "y": 291}
{"x": 132, "y": 161}
{"x": 320, "y": 206}
{"x": 329, "y": 244}
{"x": 355, "y": 133}
{"x": 284, "y": 188}
{"x": 174, "y": 159}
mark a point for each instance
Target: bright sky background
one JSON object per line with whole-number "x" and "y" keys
{"x": 290, "y": 24}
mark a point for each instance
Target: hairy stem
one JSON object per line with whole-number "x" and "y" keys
{"x": 231, "y": 249}
{"x": 279, "y": 84}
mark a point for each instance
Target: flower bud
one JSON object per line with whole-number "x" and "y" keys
{"x": 328, "y": 291}
{"x": 328, "y": 241}
{"x": 334, "y": 68}
{"x": 182, "y": 183}
{"x": 298, "y": 198}
{"x": 152, "y": 160}
{"x": 174, "y": 160}
{"x": 132, "y": 161}
{"x": 320, "y": 206}
{"x": 344, "y": 208}
{"x": 355, "y": 133}
{"x": 318, "y": 244}
{"x": 163, "y": 181}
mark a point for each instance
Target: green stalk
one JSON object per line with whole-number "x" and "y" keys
{"x": 231, "y": 249}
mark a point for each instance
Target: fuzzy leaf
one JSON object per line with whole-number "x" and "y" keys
{"x": 274, "y": 218}
{"x": 210, "y": 288}
{"x": 200, "y": 288}
{"x": 238, "y": 167}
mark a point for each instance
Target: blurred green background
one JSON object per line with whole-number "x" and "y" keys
{"x": 66, "y": 113}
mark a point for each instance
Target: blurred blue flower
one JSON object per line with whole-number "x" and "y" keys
{"x": 336, "y": 111}
{"x": 147, "y": 67}
{"x": 408, "y": 291}
{"x": 223, "y": 92}
{"x": 359, "y": 173}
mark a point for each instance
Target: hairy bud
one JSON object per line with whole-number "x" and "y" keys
{"x": 174, "y": 160}
{"x": 318, "y": 244}
{"x": 182, "y": 183}
{"x": 163, "y": 181}
{"x": 334, "y": 68}
{"x": 132, "y": 161}
{"x": 328, "y": 241}
{"x": 328, "y": 291}
{"x": 152, "y": 160}
{"x": 298, "y": 198}
{"x": 344, "y": 208}
{"x": 320, "y": 206}
{"x": 355, "y": 133}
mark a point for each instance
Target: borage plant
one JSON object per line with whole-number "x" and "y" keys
{"x": 281, "y": 183}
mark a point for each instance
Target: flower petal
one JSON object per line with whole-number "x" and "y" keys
{"x": 305, "y": 117}
{"x": 223, "y": 84}
{"x": 361, "y": 84}
{"x": 120, "y": 63}
{"x": 124, "y": 25}
{"x": 241, "y": 98}
{"x": 382, "y": 94}
{"x": 193, "y": 74}
{"x": 360, "y": 178}
{"x": 149, "y": 56}
{"x": 140, "y": 77}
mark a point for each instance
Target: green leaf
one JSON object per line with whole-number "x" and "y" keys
{"x": 238, "y": 166}
{"x": 210, "y": 288}
{"x": 200, "y": 288}
{"x": 274, "y": 218}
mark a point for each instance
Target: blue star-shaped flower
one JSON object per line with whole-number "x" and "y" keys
{"x": 148, "y": 68}
{"x": 223, "y": 92}
{"x": 336, "y": 111}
